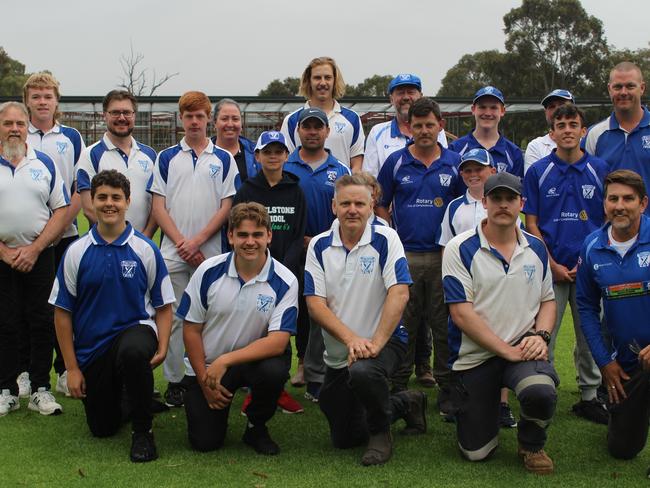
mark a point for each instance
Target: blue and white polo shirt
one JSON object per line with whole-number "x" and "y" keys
{"x": 29, "y": 193}
{"x": 505, "y": 154}
{"x": 355, "y": 282}
{"x": 109, "y": 287}
{"x": 235, "y": 313}
{"x": 137, "y": 166}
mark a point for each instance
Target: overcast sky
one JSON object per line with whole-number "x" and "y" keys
{"x": 237, "y": 47}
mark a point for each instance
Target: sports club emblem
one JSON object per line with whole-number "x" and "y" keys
{"x": 331, "y": 176}
{"x": 36, "y": 174}
{"x": 128, "y": 268}
{"x": 144, "y": 164}
{"x": 339, "y": 127}
{"x": 367, "y": 264}
{"x": 264, "y": 302}
{"x": 61, "y": 146}
{"x": 645, "y": 142}
{"x": 588, "y": 191}
{"x": 488, "y": 90}
{"x": 445, "y": 179}
{"x": 273, "y": 135}
{"x": 529, "y": 272}
{"x": 502, "y": 167}
{"x": 214, "y": 170}
{"x": 644, "y": 259}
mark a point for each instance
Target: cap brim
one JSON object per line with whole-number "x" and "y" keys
{"x": 506, "y": 187}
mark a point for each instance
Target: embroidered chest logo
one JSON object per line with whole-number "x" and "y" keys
{"x": 128, "y": 268}
{"x": 36, "y": 174}
{"x": 61, "y": 147}
{"x": 645, "y": 142}
{"x": 264, "y": 302}
{"x": 214, "y": 171}
{"x": 588, "y": 191}
{"x": 144, "y": 164}
{"x": 331, "y": 176}
{"x": 529, "y": 272}
{"x": 644, "y": 259}
{"x": 552, "y": 192}
{"x": 339, "y": 127}
{"x": 367, "y": 264}
{"x": 445, "y": 179}
{"x": 406, "y": 180}
{"x": 502, "y": 167}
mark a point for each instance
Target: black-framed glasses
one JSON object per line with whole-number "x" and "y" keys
{"x": 119, "y": 113}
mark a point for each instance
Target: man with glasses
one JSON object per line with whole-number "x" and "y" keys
{"x": 118, "y": 150}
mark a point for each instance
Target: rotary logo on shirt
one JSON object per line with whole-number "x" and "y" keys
{"x": 128, "y": 268}
{"x": 264, "y": 302}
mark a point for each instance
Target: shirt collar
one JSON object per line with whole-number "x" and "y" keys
{"x": 208, "y": 149}
{"x": 645, "y": 120}
{"x": 112, "y": 147}
{"x": 365, "y": 239}
{"x": 123, "y": 238}
{"x": 336, "y": 109}
{"x": 563, "y": 166}
{"x": 521, "y": 237}
{"x": 394, "y": 130}
{"x": 34, "y": 130}
{"x": 265, "y": 274}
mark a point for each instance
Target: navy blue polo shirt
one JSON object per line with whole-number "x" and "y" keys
{"x": 419, "y": 196}
{"x": 506, "y": 154}
{"x": 568, "y": 202}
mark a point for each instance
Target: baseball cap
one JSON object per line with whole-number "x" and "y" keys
{"x": 503, "y": 180}
{"x": 489, "y": 91}
{"x": 269, "y": 137}
{"x": 405, "y": 79}
{"x": 480, "y": 156}
{"x": 559, "y": 93}
{"x": 313, "y": 113}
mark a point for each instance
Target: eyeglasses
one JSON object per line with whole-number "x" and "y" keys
{"x": 118, "y": 113}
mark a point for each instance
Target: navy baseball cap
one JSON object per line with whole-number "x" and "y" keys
{"x": 489, "y": 91}
{"x": 503, "y": 180}
{"x": 313, "y": 113}
{"x": 480, "y": 156}
{"x": 269, "y": 137}
{"x": 405, "y": 79}
{"x": 559, "y": 93}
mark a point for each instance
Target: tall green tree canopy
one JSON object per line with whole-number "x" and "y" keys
{"x": 12, "y": 75}
{"x": 375, "y": 86}
{"x": 281, "y": 88}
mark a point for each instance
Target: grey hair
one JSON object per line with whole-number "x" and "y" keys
{"x": 20, "y": 106}
{"x": 221, "y": 103}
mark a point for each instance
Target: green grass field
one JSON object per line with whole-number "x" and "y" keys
{"x": 59, "y": 451}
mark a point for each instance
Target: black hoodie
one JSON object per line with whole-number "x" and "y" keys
{"x": 287, "y": 208}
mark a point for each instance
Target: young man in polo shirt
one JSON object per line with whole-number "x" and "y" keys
{"x": 419, "y": 181}
{"x": 193, "y": 185}
{"x": 564, "y": 203}
{"x": 499, "y": 290}
{"x": 356, "y": 285}
{"x": 488, "y": 108}
{"x": 113, "y": 316}
{"x": 239, "y": 311}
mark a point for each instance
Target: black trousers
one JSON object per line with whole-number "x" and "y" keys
{"x": 356, "y": 400}
{"x": 628, "y": 421}
{"x": 206, "y": 428}
{"x": 124, "y": 368}
{"x": 23, "y": 306}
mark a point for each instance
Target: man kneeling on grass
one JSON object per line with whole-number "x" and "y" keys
{"x": 239, "y": 311}
{"x": 113, "y": 316}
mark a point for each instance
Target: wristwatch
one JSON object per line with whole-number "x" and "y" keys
{"x": 544, "y": 335}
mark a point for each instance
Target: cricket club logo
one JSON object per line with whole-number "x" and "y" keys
{"x": 264, "y": 303}
{"x": 588, "y": 191}
{"x": 128, "y": 268}
{"x": 214, "y": 171}
{"x": 529, "y": 272}
{"x": 645, "y": 142}
{"x": 367, "y": 264}
{"x": 36, "y": 174}
{"x": 339, "y": 127}
{"x": 445, "y": 179}
{"x": 502, "y": 167}
{"x": 144, "y": 164}
{"x": 488, "y": 90}
{"x": 273, "y": 135}
{"x": 61, "y": 147}
{"x": 644, "y": 259}
{"x": 331, "y": 176}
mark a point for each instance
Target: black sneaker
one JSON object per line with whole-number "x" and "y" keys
{"x": 174, "y": 395}
{"x": 313, "y": 391}
{"x": 143, "y": 448}
{"x": 416, "y": 418}
{"x": 446, "y": 406}
{"x": 260, "y": 440}
{"x": 506, "y": 419}
{"x": 592, "y": 410}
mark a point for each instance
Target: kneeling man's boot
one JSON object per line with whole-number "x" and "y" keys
{"x": 379, "y": 450}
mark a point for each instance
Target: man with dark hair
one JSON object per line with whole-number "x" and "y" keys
{"x": 118, "y": 150}
{"x": 239, "y": 311}
{"x": 613, "y": 280}
{"x": 419, "y": 181}
{"x": 564, "y": 202}
{"x": 113, "y": 316}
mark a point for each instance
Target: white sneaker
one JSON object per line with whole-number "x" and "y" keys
{"x": 44, "y": 403}
{"x": 8, "y": 403}
{"x": 24, "y": 385}
{"x": 62, "y": 384}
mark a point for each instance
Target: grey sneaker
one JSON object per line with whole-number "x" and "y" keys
{"x": 8, "y": 403}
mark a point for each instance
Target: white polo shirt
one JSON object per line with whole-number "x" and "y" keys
{"x": 28, "y": 195}
{"x": 193, "y": 186}
{"x": 506, "y": 295}
{"x": 63, "y": 145}
{"x": 235, "y": 313}
{"x": 346, "y": 138}
{"x": 137, "y": 166}
{"x": 383, "y": 140}
{"x": 538, "y": 148}
{"x": 355, "y": 282}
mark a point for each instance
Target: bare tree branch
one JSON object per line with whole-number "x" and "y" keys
{"x": 137, "y": 79}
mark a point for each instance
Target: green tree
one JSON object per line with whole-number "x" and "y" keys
{"x": 375, "y": 86}
{"x": 281, "y": 88}
{"x": 12, "y": 75}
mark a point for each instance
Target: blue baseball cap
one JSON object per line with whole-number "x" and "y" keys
{"x": 405, "y": 79}
{"x": 489, "y": 91}
{"x": 313, "y": 113}
{"x": 559, "y": 93}
{"x": 480, "y": 156}
{"x": 269, "y": 137}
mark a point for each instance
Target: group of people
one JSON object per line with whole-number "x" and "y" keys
{"x": 373, "y": 251}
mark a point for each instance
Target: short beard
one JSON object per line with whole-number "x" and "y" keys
{"x": 118, "y": 134}
{"x": 14, "y": 150}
